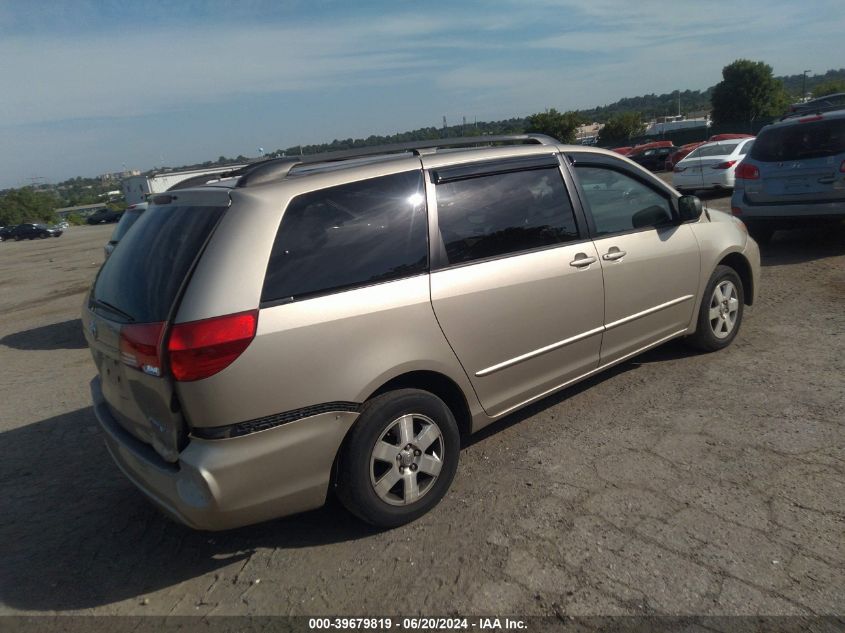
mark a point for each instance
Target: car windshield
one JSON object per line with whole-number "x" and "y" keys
{"x": 809, "y": 139}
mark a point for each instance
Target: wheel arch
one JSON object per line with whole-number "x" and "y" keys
{"x": 740, "y": 264}
{"x": 438, "y": 384}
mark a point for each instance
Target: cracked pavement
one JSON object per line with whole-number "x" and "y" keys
{"x": 676, "y": 483}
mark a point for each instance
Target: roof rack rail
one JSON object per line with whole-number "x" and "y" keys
{"x": 196, "y": 181}
{"x": 818, "y": 105}
{"x": 278, "y": 168}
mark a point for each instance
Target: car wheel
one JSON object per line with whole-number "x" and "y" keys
{"x": 43, "y": 236}
{"x": 18, "y": 238}
{"x": 399, "y": 459}
{"x": 721, "y": 310}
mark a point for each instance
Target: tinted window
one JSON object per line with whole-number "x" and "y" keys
{"x": 128, "y": 219}
{"x": 746, "y": 148}
{"x": 812, "y": 139}
{"x": 351, "y": 235}
{"x": 499, "y": 214}
{"x": 619, "y": 202}
{"x": 143, "y": 276}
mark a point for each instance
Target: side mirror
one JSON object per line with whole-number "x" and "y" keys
{"x": 689, "y": 208}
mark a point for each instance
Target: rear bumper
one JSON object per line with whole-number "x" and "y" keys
{"x": 779, "y": 211}
{"x": 228, "y": 483}
{"x": 711, "y": 179}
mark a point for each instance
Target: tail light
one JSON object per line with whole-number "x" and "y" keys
{"x": 140, "y": 347}
{"x": 200, "y": 349}
{"x": 842, "y": 167}
{"x": 725, "y": 165}
{"x": 747, "y": 171}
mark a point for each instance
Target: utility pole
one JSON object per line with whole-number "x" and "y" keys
{"x": 804, "y": 85}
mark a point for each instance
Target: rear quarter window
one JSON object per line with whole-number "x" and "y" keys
{"x": 348, "y": 236}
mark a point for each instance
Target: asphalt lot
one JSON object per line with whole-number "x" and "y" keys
{"x": 677, "y": 483}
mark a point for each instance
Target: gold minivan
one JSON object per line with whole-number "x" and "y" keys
{"x": 340, "y": 321}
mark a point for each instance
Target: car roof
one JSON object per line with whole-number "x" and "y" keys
{"x": 805, "y": 116}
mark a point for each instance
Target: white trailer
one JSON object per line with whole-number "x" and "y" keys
{"x": 137, "y": 188}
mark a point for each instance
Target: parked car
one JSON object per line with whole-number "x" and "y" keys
{"x": 675, "y": 157}
{"x": 710, "y": 166}
{"x": 727, "y": 137}
{"x": 6, "y": 232}
{"x": 104, "y": 216}
{"x": 794, "y": 174}
{"x": 652, "y": 158}
{"x": 819, "y": 104}
{"x": 127, "y": 220}
{"x": 336, "y": 322}
{"x": 622, "y": 150}
{"x": 29, "y": 231}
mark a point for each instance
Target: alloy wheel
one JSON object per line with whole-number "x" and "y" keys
{"x": 406, "y": 459}
{"x": 724, "y": 307}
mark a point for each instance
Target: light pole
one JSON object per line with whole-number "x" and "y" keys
{"x": 804, "y": 85}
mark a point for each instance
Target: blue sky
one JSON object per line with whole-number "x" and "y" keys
{"x": 89, "y": 87}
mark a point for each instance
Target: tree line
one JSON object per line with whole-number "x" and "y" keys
{"x": 748, "y": 94}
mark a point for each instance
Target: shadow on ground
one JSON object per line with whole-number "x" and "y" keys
{"x": 64, "y": 335}
{"x": 78, "y": 535}
{"x": 795, "y": 246}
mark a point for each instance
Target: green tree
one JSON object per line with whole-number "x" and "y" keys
{"x": 27, "y": 205}
{"x": 559, "y": 125}
{"x": 621, "y": 127}
{"x": 748, "y": 91}
{"x": 829, "y": 88}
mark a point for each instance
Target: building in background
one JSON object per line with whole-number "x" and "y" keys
{"x": 137, "y": 188}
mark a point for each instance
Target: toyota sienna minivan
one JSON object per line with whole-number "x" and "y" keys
{"x": 338, "y": 322}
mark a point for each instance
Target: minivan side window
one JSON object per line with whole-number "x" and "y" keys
{"x": 499, "y": 214}
{"x": 619, "y": 203}
{"x": 350, "y": 235}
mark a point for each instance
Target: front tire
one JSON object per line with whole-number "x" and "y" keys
{"x": 720, "y": 314}
{"x": 399, "y": 459}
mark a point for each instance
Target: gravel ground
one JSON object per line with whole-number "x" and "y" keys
{"x": 677, "y": 483}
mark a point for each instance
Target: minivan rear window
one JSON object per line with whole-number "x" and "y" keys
{"x": 811, "y": 139}
{"x": 142, "y": 278}
{"x": 127, "y": 220}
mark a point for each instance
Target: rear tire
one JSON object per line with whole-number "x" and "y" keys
{"x": 399, "y": 459}
{"x": 720, "y": 314}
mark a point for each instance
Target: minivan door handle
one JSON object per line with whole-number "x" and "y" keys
{"x": 582, "y": 260}
{"x": 613, "y": 254}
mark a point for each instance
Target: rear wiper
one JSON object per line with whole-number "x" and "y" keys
{"x": 104, "y": 304}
